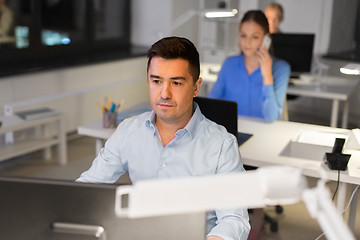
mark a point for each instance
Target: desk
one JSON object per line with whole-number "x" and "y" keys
{"x": 95, "y": 129}
{"x": 14, "y": 123}
{"x": 330, "y": 88}
{"x": 267, "y": 147}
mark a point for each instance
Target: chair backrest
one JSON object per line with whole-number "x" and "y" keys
{"x": 221, "y": 112}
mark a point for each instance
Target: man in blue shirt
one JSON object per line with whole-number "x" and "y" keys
{"x": 175, "y": 139}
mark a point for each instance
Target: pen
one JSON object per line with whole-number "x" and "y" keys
{"x": 102, "y": 108}
{"x": 122, "y": 103}
{"x": 112, "y": 108}
{"x": 109, "y": 103}
{"x": 119, "y": 105}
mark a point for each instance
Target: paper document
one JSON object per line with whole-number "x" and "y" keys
{"x": 319, "y": 138}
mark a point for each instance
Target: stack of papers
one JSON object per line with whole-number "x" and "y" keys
{"x": 37, "y": 113}
{"x": 319, "y": 138}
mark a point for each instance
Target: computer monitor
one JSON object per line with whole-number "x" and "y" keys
{"x": 31, "y": 207}
{"x": 296, "y": 49}
{"x": 224, "y": 113}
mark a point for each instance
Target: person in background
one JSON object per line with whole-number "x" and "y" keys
{"x": 254, "y": 79}
{"x": 6, "y": 21}
{"x": 174, "y": 139}
{"x": 275, "y": 15}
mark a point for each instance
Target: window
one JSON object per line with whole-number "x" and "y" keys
{"x": 53, "y": 33}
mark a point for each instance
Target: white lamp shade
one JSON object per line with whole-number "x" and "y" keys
{"x": 351, "y": 69}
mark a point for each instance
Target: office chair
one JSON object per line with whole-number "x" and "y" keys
{"x": 274, "y": 227}
{"x": 224, "y": 113}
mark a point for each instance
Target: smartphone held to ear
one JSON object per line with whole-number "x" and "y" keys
{"x": 266, "y": 42}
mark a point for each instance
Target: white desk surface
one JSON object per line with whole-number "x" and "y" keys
{"x": 95, "y": 129}
{"x": 329, "y": 88}
{"x": 268, "y": 146}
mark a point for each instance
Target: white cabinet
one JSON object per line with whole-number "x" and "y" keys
{"x": 37, "y": 142}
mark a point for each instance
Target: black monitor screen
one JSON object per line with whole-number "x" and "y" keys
{"x": 49, "y": 209}
{"x": 296, "y": 49}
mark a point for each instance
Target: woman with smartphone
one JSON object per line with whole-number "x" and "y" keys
{"x": 254, "y": 79}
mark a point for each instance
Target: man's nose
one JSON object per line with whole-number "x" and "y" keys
{"x": 166, "y": 91}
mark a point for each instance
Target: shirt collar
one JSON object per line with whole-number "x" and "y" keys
{"x": 194, "y": 121}
{"x": 150, "y": 119}
{"x": 190, "y": 127}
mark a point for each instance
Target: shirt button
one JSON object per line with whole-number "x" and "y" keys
{"x": 163, "y": 165}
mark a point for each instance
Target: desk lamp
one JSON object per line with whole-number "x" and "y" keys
{"x": 351, "y": 69}
{"x": 264, "y": 186}
{"x": 209, "y": 13}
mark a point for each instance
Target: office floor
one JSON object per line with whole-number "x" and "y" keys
{"x": 294, "y": 223}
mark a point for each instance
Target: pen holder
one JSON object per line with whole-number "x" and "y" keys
{"x": 109, "y": 120}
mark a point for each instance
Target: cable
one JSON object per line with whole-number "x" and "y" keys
{"x": 347, "y": 206}
{"x": 352, "y": 196}
{"x": 337, "y": 185}
{"x": 320, "y": 236}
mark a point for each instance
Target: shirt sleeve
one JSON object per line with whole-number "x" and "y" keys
{"x": 107, "y": 166}
{"x": 274, "y": 94}
{"x": 219, "y": 88}
{"x": 231, "y": 224}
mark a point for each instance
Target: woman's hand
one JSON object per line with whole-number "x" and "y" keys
{"x": 265, "y": 61}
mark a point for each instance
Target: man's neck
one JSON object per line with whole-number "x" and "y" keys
{"x": 167, "y": 130}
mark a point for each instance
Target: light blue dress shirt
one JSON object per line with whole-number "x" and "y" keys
{"x": 202, "y": 148}
{"x": 253, "y": 98}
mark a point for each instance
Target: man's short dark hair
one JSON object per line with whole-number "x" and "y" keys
{"x": 177, "y": 47}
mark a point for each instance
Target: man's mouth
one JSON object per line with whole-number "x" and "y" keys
{"x": 165, "y": 105}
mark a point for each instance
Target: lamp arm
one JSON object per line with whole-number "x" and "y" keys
{"x": 264, "y": 186}
{"x": 320, "y": 207}
{"x": 183, "y": 19}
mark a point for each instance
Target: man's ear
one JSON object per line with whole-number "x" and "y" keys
{"x": 197, "y": 87}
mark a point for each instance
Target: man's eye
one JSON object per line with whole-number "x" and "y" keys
{"x": 177, "y": 83}
{"x": 156, "y": 81}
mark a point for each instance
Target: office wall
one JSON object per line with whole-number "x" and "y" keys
{"x": 151, "y": 20}
{"x": 79, "y": 108}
